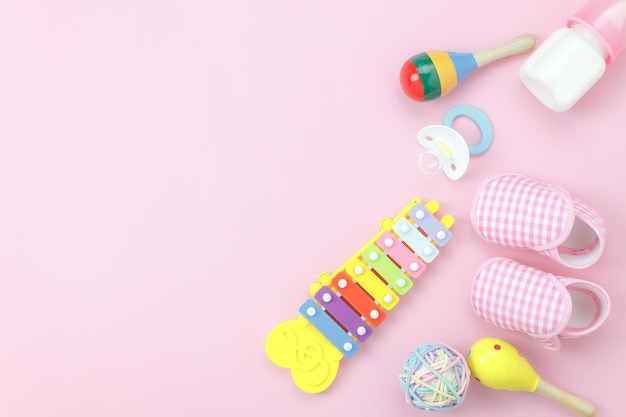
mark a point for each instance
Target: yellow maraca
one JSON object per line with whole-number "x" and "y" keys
{"x": 499, "y": 365}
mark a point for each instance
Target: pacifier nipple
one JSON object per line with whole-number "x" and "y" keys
{"x": 432, "y": 160}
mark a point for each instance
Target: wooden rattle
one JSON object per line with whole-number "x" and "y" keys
{"x": 498, "y": 365}
{"x": 432, "y": 74}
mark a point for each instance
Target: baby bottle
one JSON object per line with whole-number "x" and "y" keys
{"x": 572, "y": 59}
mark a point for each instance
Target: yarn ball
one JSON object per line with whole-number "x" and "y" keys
{"x": 434, "y": 377}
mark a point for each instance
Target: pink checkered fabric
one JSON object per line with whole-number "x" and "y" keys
{"x": 517, "y": 297}
{"x": 515, "y": 211}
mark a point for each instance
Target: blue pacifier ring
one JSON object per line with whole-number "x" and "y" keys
{"x": 477, "y": 116}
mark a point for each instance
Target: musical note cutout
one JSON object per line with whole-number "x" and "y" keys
{"x": 299, "y": 346}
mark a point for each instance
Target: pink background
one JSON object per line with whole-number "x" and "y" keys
{"x": 175, "y": 174}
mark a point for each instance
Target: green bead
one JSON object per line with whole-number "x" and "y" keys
{"x": 428, "y": 74}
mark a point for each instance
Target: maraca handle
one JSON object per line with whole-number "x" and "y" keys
{"x": 515, "y": 46}
{"x": 576, "y": 404}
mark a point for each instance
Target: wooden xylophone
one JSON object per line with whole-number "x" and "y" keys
{"x": 347, "y": 305}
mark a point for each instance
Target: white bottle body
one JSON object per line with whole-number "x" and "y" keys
{"x": 563, "y": 68}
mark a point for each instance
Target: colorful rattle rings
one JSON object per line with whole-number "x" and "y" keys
{"x": 432, "y": 74}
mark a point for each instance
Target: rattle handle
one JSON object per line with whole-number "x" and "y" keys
{"x": 515, "y": 46}
{"x": 580, "y": 406}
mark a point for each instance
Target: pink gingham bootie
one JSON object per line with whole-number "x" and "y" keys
{"x": 515, "y": 211}
{"x": 521, "y": 298}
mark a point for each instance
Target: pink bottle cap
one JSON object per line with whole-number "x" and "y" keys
{"x": 605, "y": 18}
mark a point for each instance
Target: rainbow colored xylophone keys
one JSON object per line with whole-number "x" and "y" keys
{"x": 347, "y": 305}
{"x": 433, "y": 74}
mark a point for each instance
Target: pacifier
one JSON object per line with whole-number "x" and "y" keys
{"x": 446, "y": 150}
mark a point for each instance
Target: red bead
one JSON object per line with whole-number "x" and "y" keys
{"x": 411, "y": 82}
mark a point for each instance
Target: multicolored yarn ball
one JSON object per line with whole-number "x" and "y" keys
{"x": 435, "y": 377}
